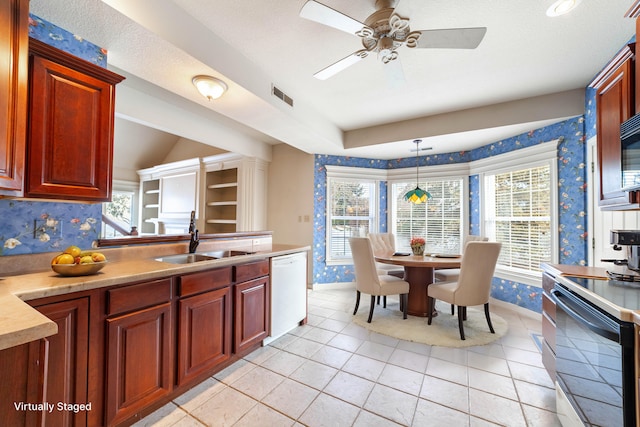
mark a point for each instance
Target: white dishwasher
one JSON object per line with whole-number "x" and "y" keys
{"x": 288, "y": 293}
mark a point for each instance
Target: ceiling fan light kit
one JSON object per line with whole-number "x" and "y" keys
{"x": 561, "y": 7}
{"x": 209, "y": 87}
{"x": 384, "y": 32}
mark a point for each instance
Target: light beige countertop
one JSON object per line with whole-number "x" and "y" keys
{"x": 20, "y": 323}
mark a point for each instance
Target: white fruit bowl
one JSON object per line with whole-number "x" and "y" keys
{"x": 78, "y": 269}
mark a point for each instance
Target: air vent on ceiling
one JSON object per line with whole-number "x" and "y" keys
{"x": 282, "y": 96}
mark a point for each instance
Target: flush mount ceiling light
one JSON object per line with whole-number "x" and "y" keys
{"x": 209, "y": 87}
{"x": 417, "y": 195}
{"x": 560, "y": 7}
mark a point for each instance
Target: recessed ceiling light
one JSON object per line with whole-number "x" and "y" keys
{"x": 560, "y": 7}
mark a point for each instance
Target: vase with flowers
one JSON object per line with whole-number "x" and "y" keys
{"x": 417, "y": 245}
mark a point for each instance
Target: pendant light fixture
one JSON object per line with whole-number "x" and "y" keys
{"x": 417, "y": 195}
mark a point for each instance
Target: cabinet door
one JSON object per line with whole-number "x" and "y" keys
{"x": 138, "y": 361}
{"x": 70, "y": 144}
{"x": 614, "y": 105}
{"x": 204, "y": 334}
{"x": 14, "y": 21}
{"x": 66, "y": 380}
{"x": 23, "y": 370}
{"x": 252, "y": 305}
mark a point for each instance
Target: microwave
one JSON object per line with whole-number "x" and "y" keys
{"x": 630, "y": 151}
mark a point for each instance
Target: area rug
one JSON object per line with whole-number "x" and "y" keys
{"x": 443, "y": 330}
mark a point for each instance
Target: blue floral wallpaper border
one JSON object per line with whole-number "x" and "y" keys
{"x": 572, "y": 200}
{"x": 37, "y": 226}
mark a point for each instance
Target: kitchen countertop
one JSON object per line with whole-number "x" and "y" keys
{"x": 618, "y": 298}
{"x": 20, "y": 323}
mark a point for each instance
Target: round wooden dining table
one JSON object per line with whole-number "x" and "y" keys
{"x": 418, "y": 271}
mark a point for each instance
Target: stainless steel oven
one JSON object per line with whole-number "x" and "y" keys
{"x": 594, "y": 363}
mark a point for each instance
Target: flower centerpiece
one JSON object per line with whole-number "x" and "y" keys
{"x": 417, "y": 245}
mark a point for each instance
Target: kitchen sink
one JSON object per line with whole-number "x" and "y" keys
{"x": 227, "y": 253}
{"x": 185, "y": 258}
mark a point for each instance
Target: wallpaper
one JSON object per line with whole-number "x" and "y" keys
{"x": 39, "y": 226}
{"x": 572, "y": 202}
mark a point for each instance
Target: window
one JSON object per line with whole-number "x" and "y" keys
{"x": 352, "y": 207}
{"x": 121, "y": 211}
{"x": 518, "y": 214}
{"x": 519, "y": 197}
{"x": 439, "y": 221}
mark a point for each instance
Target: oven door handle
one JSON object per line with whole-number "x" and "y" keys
{"x": 584, "y": 316}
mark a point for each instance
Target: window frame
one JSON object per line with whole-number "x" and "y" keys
{"x": 367, "y": 176}
{"x": 525, "y": 158}
{"x": 430, "y": 173}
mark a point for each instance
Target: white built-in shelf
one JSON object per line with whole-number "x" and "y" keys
{"x": 157, "y": 191}
{"x": 221, "y": 221}
{"x": 152, "y": 205}
{"x": 223, "y": 185}
{"x": 224, "y": 203}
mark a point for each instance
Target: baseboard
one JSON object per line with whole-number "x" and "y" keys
{"x": 331, "y": 286}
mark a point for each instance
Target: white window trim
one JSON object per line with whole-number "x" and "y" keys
{"x": 541, "y": 154}
{"x": 355, "y": 173}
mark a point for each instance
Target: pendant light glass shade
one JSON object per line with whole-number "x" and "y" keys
{"x": 417, "y": 195}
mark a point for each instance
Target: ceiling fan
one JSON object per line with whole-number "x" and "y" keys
{"x": 383, "y": 32}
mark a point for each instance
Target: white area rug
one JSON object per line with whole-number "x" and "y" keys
{"x": 443, "y": 330}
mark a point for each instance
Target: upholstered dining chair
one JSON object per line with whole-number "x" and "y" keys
{"x": 368, "y": 280}
{"x": 385, "y": 244}
{"x": 473, "y": 286}
{"x": 451, "y": 274}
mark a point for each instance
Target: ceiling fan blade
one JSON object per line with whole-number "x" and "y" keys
{"x": 453, "y": 38}
{"x": 344, "y": 63}
{"x": 322, "y": 14}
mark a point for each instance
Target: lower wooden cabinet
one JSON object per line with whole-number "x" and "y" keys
{"x": 67, "y": 362}
{"x": 204, "y": 335}
{"x": 251, "y": 313}
{"x": 127, "y": 350}
{"x": 139, "y": 351}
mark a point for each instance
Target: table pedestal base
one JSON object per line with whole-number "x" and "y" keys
{"x": 419, "y": 279}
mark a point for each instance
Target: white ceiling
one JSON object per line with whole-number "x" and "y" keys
{"x": 529, "y": 71}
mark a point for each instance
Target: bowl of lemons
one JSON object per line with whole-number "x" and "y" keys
{"x": 76, "y": 262}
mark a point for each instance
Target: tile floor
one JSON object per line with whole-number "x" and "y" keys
{"x": 332, "y": 372}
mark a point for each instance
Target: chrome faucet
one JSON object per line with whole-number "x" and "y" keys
{"x": 194, "y": 241}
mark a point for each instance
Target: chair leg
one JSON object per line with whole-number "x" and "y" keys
{"x": 384, "y": 301}
{"x": 401, "y": 303}
{"x": 430, "y": 305}
{"x": 486, "y": 314}
{"x": 404, "y": 300}
{"x": 464, "y": 313}
{"x": 452, "y": 309}
{"x": 460, "y": 323}
{"x": 373, "y": 304}
{"x": 378, "y": 299}
{"x": 357, "y": 302}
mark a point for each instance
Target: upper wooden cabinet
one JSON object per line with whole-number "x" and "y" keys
{"x": 614, "y": 104}
{"x": 70, "y": 141}
{"x": 14, "y": 39}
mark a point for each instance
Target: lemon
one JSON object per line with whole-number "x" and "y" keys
{"x": 65, "y": 259}
{"x": 86, "y": 260}
{"x": 74, "y": 251}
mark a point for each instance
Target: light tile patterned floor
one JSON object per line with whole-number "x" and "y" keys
{"x": 332, "y": 372}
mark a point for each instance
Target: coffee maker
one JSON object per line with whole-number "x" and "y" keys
{"x": 630, "y": 239}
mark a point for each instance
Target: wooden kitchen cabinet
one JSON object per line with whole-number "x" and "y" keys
{"x": 14, "y": 44}
{"x": 139, "y": 348}
{"x": 67, "y": 361}
{"x": 252, "y": 301}
{"x": 71, "y": 117}
{"x": 614, "y": 104}
{"x": 204, "y": 323}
